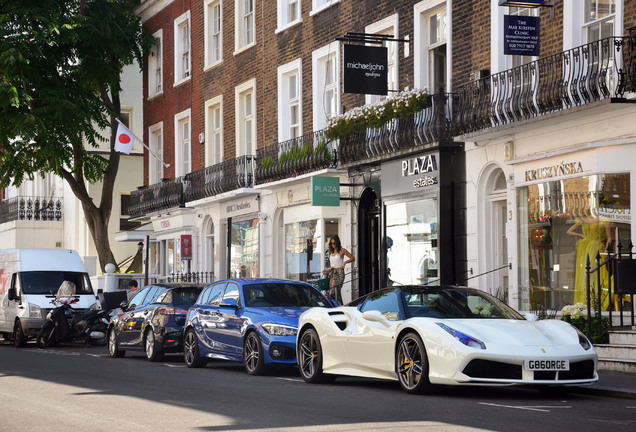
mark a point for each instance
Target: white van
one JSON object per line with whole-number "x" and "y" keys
{"x": 29, "y": 280}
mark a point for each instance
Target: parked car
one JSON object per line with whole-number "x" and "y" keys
{"x": 422, "y": 336}
{"x": 253, "y": 321}
{"x": 153, "y": 320}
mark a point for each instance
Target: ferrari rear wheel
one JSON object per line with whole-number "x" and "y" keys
{"x": 310, "y": 358}
{"x": 412, "y": 365}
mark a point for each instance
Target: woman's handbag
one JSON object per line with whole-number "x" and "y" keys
{"x": 323, "y": 284}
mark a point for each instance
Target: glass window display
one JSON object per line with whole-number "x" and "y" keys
{"x": 561, "y": 224}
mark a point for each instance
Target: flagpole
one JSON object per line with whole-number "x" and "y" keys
{"x": 143, "y": 144}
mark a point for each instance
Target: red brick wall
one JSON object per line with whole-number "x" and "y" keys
{"x": 259, "y": 62}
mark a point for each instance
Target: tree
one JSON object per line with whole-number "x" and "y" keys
{"x": 60, "y": 68}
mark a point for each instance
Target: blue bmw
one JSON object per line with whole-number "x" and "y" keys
{"x": 253, "y": 321}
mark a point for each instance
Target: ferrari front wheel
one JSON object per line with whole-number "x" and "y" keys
{"x": 310, "y": 358}
{"x": 412, "y": 365}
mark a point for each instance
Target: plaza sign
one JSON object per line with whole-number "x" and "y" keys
{"x": 325, "y": 191}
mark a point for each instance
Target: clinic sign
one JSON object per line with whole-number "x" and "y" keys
{"x": 521, "y": 35}
{"x": 415, "y": 173}
{"x": 325, "y": 191}
{"x": 365, "y": 69}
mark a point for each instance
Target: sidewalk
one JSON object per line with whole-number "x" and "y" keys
{"x": 613, "y": 384}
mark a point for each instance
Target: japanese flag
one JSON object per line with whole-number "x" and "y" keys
{"x": 124, "y": 140}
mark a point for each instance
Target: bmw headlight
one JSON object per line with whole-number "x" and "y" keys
{"x": 463, "y": 337}
{"x": 35, "y": 311}
{"x": 280, "y": 330}
{"x": 583, "y": 341}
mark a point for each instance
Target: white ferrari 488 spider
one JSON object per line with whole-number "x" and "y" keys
{"x": 426, "y": 335}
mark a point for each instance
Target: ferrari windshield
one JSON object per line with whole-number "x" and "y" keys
{"x": 282, "y": 294}
{"x": 455, "y": 303}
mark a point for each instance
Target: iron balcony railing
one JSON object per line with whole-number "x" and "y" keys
{"x": 421, "y": 130}
{"x": 305, "y": 154}
{"x": 223, "y": 177}
{"x": 213, "y": 180}
{"x": 573, "y": 78}
{"x": 157, "y": 197}
{"x": 31, "y": 209}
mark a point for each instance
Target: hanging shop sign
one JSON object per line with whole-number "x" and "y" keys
{"x": 521, "y": 35}
{"x": 365, "y": 69}
{"x": 410, "y": 174}
{"x": 186, "y": 246}
{"x": 325, "y": 191}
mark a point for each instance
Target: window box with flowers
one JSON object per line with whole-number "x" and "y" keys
{"x": 357, "y": 120}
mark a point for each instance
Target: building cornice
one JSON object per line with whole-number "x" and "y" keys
{"x": 149, "y": 8}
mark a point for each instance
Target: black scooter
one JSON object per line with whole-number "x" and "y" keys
{"x": 63, "y": 324}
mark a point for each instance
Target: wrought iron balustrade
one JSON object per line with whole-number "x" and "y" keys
{"x": 157, "y": 197}
{"x": 423, "y": 129}
{"x": 576, "y": 77}
{"x": 305, "y": 154}
{"x": 223, "y": 177}
{"x": 30, "y": 208}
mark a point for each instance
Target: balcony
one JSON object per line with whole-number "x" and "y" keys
{"x": 213, "y": 180}
{"x": 578, "y": 77}
{"x": 157, "y": 197}
{"x": 30, "y": 209}
{"x": 305, "y": 154}
{"x": 223, "y": 177}
{"x": 425, "y": 129}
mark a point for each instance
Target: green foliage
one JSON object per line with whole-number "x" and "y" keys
{"x": 357, "y": 120}
{"x": 60, "y": 67}
{"x": 577, "y": 316}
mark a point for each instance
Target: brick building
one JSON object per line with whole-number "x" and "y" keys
{"x": 237, "y": 98}
{"x": 515, "y": 155}
{"x": 548, "y": 142}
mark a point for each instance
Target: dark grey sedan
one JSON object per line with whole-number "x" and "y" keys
{"x": 153, "y": 320}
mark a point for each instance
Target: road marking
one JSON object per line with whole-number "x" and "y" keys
{"x": 174, "y": 366}
{"x": 289, "y": 379}
{"x": 529, "y": 408}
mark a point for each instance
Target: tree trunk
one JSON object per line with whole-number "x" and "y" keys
{"x": 98, "y": 227}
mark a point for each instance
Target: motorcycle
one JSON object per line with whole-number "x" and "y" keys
{"x": 65, "y": 324}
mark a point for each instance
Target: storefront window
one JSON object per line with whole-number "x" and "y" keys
{"x": 411, "y": 242}
{"x": 302, "y": 251}
{"x": 245, "y": 260}
{"x": 561, "y": 224}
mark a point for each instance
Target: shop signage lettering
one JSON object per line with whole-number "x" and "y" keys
{"x": 419, "y": 165}
{"x": 562, "y": 169}
{"x": 232, "y": 208}
{"x": 425, "y": 181}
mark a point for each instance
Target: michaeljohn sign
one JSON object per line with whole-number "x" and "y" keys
{"x": 521, "y": 35}
{"x": 410, "y": 174}
{"x": 325, "y": 191}
{"x": 365, "y": 69}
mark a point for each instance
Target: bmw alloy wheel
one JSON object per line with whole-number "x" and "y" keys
{"x": 191, "y": 355}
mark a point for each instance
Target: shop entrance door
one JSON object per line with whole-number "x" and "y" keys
{"x": 368, "y": 243}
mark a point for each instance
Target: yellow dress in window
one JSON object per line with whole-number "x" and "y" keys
{"x": 593, "y": 242}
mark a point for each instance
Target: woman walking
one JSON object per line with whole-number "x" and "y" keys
{"x": 338, "y": 258}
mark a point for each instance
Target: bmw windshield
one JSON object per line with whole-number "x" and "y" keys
{"x": 282, "y": 295}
